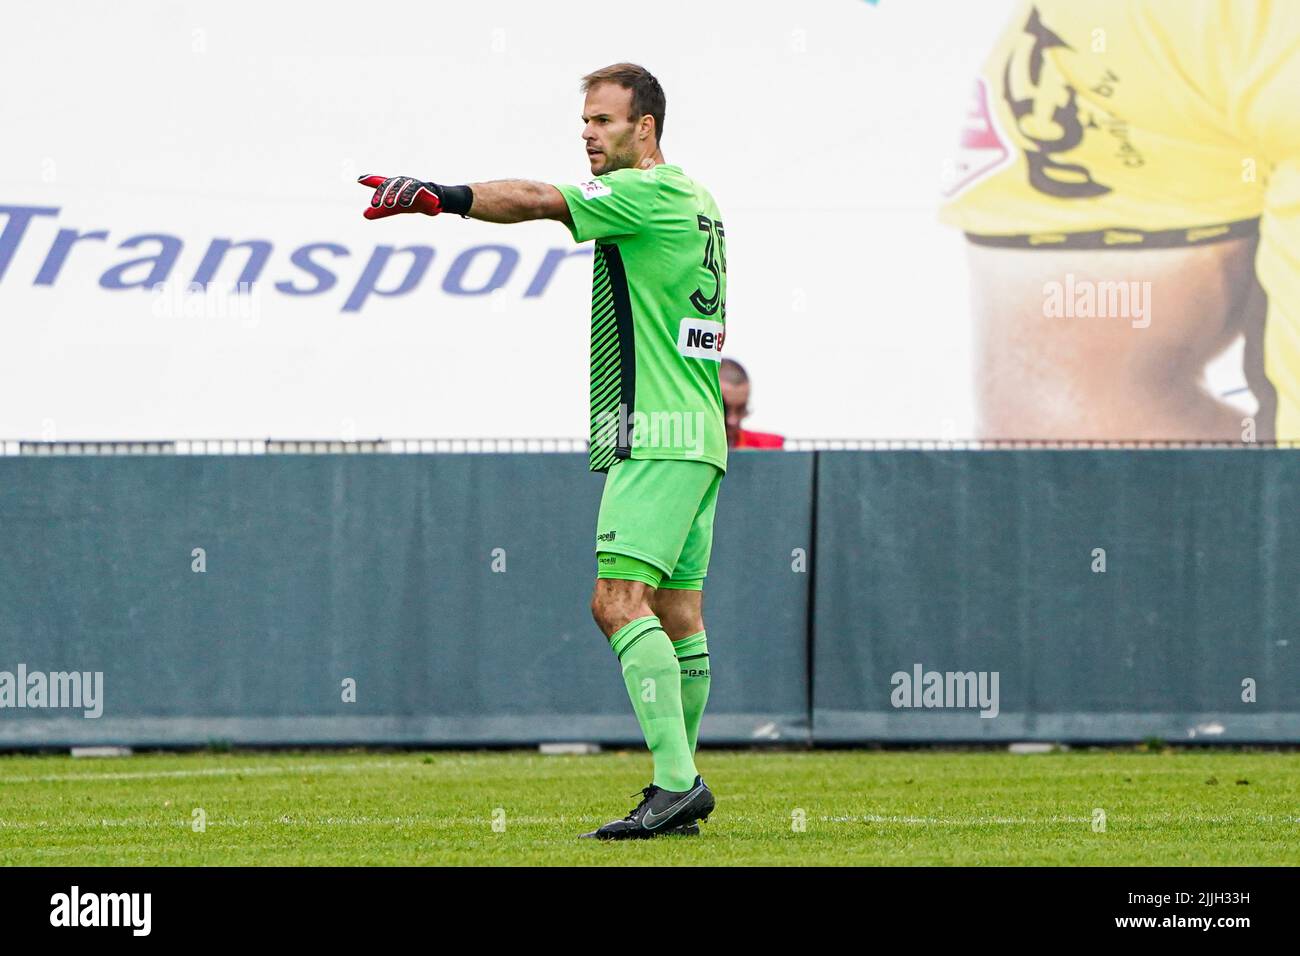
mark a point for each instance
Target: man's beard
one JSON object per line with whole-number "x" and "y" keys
{"x": 615, "y": 161}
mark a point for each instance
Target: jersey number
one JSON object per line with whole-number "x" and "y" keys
{"x": 715, "y": 260}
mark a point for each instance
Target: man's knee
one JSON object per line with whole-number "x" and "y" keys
{"x": 601, "y": 611}
{"x": 615, "y": 603}
{"x": 679, "y": 611}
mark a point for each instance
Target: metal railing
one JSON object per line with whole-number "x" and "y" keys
{"x": 266, "y": 446}
{"x": 413, "y": 446}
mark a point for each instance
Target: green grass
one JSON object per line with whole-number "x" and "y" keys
{"x": 861, "y": 807}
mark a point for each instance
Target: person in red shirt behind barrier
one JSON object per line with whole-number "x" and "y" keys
{"x": 735, "y": 401}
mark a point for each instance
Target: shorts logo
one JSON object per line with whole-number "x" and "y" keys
{"x": 701, "y": 339}
{"x": 607, "y": 536}
{"x": 594, "y": 189}
{"x": 607, "y": 560}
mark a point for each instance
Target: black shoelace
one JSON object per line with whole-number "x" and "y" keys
{"x": 646, "y": 794}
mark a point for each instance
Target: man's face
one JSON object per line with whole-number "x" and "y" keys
{"x": 610, "y": 133}
{"x": 735, "y": 403}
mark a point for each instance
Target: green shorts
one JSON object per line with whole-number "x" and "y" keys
{"x": 656, "y": 522}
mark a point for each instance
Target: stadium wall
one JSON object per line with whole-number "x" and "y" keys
{"x": 1117, "y": 595}
{"x": 442, "y": 599}
{"x": 452, "y": 589}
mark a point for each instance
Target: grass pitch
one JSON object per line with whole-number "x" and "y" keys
{"x": 521, "y": 808}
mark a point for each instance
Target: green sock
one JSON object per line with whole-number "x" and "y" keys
{"x": 650, "y": 672}
{"x": 693, "y": 656}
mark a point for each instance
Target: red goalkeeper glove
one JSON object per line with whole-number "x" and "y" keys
{"x": 396, "y": 194}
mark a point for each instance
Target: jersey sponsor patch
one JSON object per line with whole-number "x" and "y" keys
{"x": 983, "y": 149}
{"x": 701, "y": 339}
{"x": 594, "y": 188}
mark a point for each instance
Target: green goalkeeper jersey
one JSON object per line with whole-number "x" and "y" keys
{"x": 658, "y": 315}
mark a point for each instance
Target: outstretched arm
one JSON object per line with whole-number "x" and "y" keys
{"x": 501, "y": 200}
{"x": 517, "y": 200}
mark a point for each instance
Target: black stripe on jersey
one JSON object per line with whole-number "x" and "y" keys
{"x": 1119, "y": 237}
{"x": 626, "y": 343}
{"x": 607, "y": 348}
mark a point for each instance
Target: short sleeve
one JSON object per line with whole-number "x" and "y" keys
{"x": 1129, "y": 145}
{"x": 618, "y": 204}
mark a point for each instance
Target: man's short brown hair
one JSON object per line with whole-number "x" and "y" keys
{"x": 647, "y": 94}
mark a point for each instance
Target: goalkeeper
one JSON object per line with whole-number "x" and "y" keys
{"x": 658, "y": 314}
